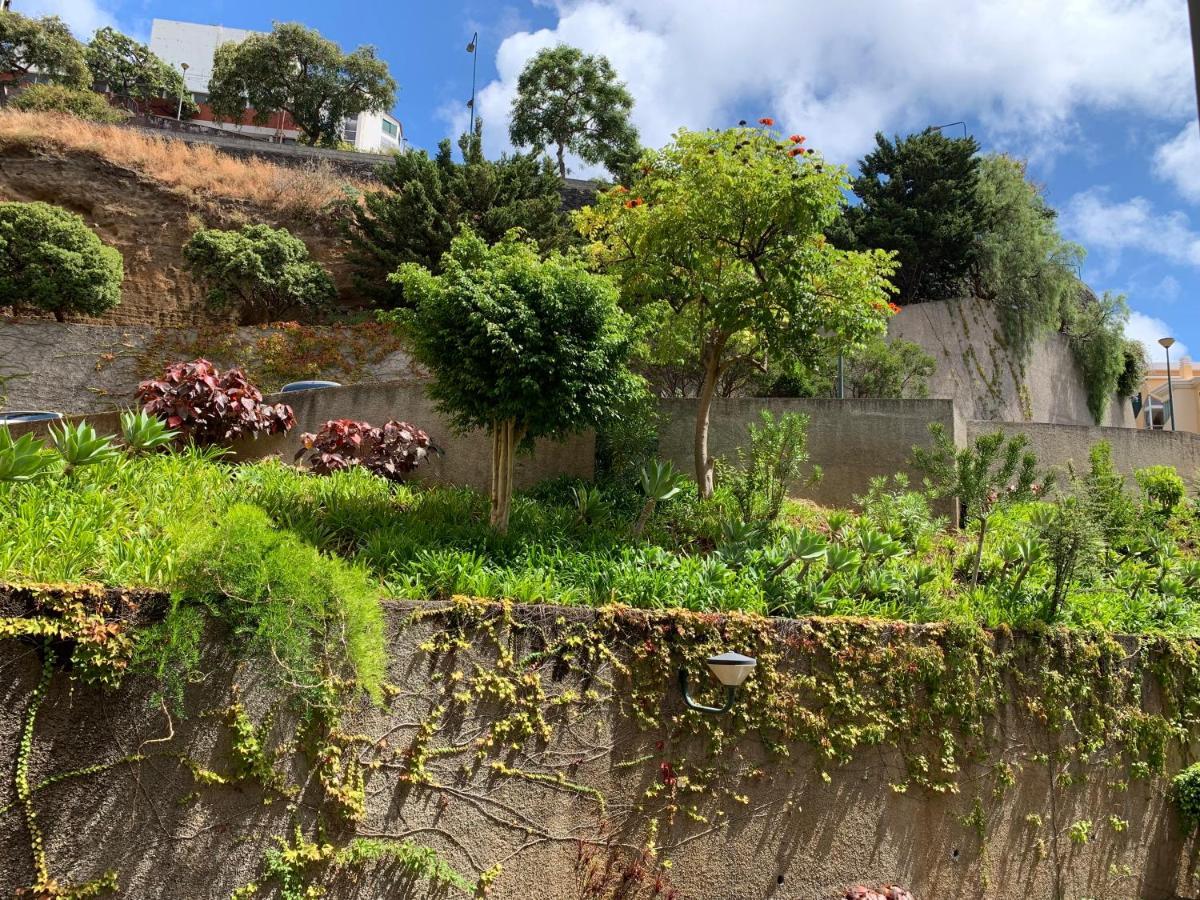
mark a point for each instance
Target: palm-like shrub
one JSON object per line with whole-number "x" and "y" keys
{"x": 209, "y": 407}
{"x": 660, "y": 481}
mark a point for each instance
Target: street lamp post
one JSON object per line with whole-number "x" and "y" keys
{"x": 179, "y": 110}
{"x": 473, "y": 49}
{"x": 1166, "y": 345}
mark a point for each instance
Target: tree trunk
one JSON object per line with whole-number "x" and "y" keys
{"x": 505, "y": 437}
{"x": 60, "y": 316}
{"x": 704, "y": 462}
{"x": 979, "y": 552}
{"x": 562, "y": 162}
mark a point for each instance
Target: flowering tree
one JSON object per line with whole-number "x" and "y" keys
{"x": 718, "y": 243}
{"x": 521, "y": 346}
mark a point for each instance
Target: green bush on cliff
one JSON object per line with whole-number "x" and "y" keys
{"x": 51, "y": 260}
{"x": 83, "y": 104}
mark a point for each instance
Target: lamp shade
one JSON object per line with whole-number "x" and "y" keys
{"x": 731, "y": 669}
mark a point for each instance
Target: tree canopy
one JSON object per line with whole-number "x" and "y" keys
{"x": 131, "y": 73}
{"x": 260, "y": 270}
{"x": 573, "y": 102}
{"x": 919, "y": 198}
{"x": 298, "y": 71}
{"x": 44, "y": 44}
{"x": 521, "y": 346}
{"x": 51, "y": 260}
{"x": 718, "y": 243}
{"x": 425, "y": 202}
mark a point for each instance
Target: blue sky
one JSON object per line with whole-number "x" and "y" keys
{"x": 1098, "y": 95}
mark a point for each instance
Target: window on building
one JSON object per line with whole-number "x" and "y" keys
{"x": 389, "y": 128}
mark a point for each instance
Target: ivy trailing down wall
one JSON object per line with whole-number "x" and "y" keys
{"x": 517, "y": 749}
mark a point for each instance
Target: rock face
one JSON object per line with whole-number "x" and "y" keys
{"x": 149, "y": 223}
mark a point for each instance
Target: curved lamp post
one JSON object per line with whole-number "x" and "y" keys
{"x": 1166, "y": 345}
{"x": 731, "y": 669}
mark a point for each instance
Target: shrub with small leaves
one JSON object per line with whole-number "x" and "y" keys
{"x": 1185, "y": 792}
{"x": 209, "y": 407}
{"x": 390, "y": 452}
{"x": 58, "y": 98}
{"x": 1162, "y": 486}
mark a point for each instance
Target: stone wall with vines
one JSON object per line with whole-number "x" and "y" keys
{"x": 543, "y": 752}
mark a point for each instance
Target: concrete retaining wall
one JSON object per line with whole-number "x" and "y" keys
{"x": 776, "y": 828}
{"x": 976, "y": 370}
{"x": 852, "y": 441}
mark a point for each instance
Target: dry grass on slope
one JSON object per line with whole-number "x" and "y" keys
{"x": 197, "y": 170}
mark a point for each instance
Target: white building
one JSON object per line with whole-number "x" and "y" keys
{"x": 178, "y": 43}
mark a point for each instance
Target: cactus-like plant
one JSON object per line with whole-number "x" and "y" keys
{"x": 23, "y": 459}
{"x": 79, "y": 445}
{"x": 144, "y": 433}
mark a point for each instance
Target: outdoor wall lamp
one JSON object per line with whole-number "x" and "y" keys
{"x": 731, "y": 669}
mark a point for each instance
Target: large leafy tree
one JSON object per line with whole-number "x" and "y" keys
{"x": 50, "y": 259}
{"x": 919, "y": 198}
{"x": 521, "y": 346}
{"x": 573, "y": 102}
{"x": 45, "y": 45}
{"x": 296, "y": 70}
{"x": 131, "y": 73}
{"x": 718, "y": 241}
{"x": 425, "y": 202}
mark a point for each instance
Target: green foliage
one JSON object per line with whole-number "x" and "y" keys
{"x": 878, "y": 369}
{"x": 1024, "y": 266}
{"x": 660, "y": 482}
{"x": 1162, "y": 487}
{"x": 1113, "y": 509}
{"x": 79, "y": 102}
{"x": 717, "y": 244}
{"x": 51, "y": 260}
{"x": 296, "y": 70}
{"x": 425, "y": 202}
{"x": 132, "y": 73}
{"x": 573, "y": 102}
{"x": 260, "y": 270}
{"x": 1133, "y": 375}
{"x": 1185, "y": 793}
{"x": 518, "y": 345}
{"x": 316, "y": 616}
{"x": 45, "y": 46}
{"x": 1096, "y": 330}
{"x": 144, "y": 433}
{"x": 22, "y": 459}
{"x": 760, "y": 476}
{"x": 79, "y": 445}
{"x": 919, "y": 199}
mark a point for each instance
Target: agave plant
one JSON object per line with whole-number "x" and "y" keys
{"x": 803, "y": 546}
{"x": 79, "y": 445}
{"x": 660, "y": 482}
{"x": 589, "y": 503}
{"x": 144, "y": 433}
{"x": 23, "y": 459}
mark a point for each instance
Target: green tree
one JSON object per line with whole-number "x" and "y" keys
{"x": 573, "y": 102}
{"x": 261, "y": 270}
{"x": 718, "y": 244}
{"x": 85, "y": 104}
{"x": 425, "y": 202}
{"x": 520, "y": 346}
{"x": 45, "y": 45}
{"x": 1096, "y": 332}
{"x": 990, "y": 474}
{"x": 131, "y": 73}
{"x": 296, "y": 70}
{"x": 878, "y": 369}
{"x": 1024, "y": 267}
{"x": 51, "y": 260}
{"x": 920, "y": 199}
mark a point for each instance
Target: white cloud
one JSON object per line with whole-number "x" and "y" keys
{"x": 839, "y": 72}
{"x": 83, "y": 16}
{"x": 1099, "y": 223}
{"x": 1178, "y": 161}
{"x": 1148, "y": 330}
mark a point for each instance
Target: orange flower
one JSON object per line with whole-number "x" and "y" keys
{"x": 636, "y": 201}
{"x": 621, "y": 189}
{"x": 766, "y": 120}
{"x": 893, "y": 307}
{"x": 797, "y": 139}
{"x": 795, "y": 151}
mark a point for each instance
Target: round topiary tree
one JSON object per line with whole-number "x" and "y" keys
{"x": 521, "y": 346}
{"x": 261, "y": 270}
{"x": 51, "y": 260}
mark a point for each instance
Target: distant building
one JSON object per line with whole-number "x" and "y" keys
{"x": 194, "y": 44}
{"x": 1156, "y": 398}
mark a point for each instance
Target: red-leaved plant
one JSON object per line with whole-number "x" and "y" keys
{"x": 210, "y": 407}
{"x": 390, "y": 452}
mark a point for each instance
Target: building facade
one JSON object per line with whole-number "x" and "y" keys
{"x": 193, "y": 44}
{"x": 1182, "y": 394}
